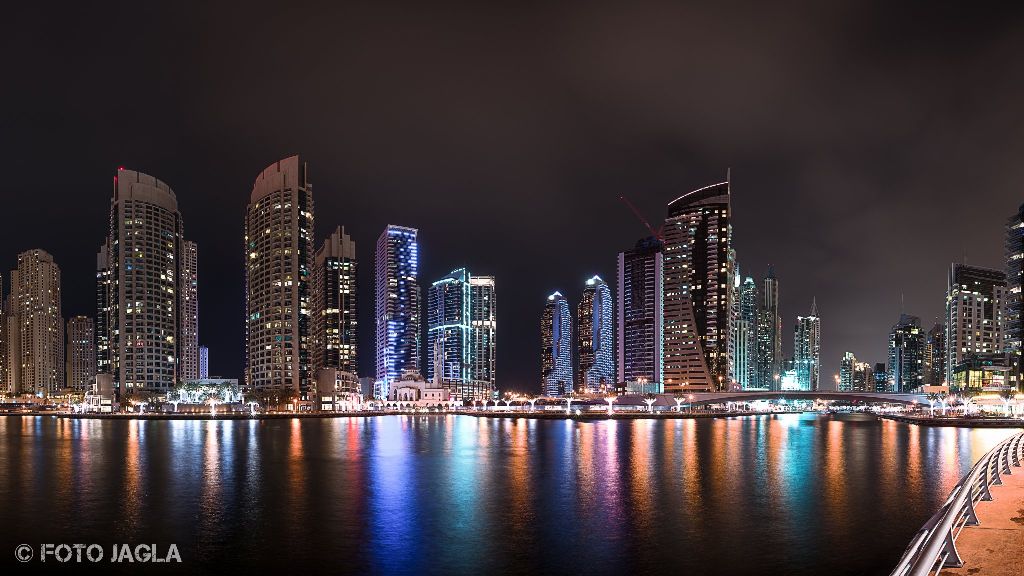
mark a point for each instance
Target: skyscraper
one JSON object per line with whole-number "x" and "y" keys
{"x": 105, "y": 295}
{"x": 81, "y": 354}
{"x": 461, "y": 332}
{"x": 595, "y": 337}
{"x": 556, "y": 344}
{"x": 142, "y": 275}
{"x": 906, "y": 355}
{"x": 935, "y": 356}
{"x": 641, "y": 313}
{"x": 863, "y": 379}
{"x": 880, "y": 377}
{"x": 769, "y": 335}
{"x": 746, "y": 335}
{"x": 278, "y": 264}
{"x": 335, "y": 315}
{"x": 398, "y": 305}
{"x": 204, "y": 362}
{"x": 807, "y": 350}
{"x": 698, "y": 274}
{"x": 35, "y": 328}
{"x": 189, "y": 311}
{"x": 1014, "y": 328}
{"x": 483, "y": 345}
{"x": 847, "y": 368}
{"x": 976, "y": 300}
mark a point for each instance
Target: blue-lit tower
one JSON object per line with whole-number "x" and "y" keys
{"x": 449, "y": 334}
{"x": 595, "y": 341}
{"x": 397, "y": 306}
{"x": 556, "y": 343}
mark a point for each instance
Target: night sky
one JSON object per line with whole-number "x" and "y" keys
{"x": 870, "y": 145}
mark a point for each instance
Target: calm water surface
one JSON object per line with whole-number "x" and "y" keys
{"x": 786, "y": 494}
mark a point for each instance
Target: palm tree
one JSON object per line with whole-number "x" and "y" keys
{"x": 650, "y": 399}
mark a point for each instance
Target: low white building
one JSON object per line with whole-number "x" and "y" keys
{"x": 412, "y": 391}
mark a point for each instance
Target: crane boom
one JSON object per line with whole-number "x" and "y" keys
{"x": 656, "y": 233}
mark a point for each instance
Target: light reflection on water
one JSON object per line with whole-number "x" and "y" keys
{"x": 793, "y": 494}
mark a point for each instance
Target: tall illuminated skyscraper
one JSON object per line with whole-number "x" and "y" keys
{"x": 807, "y": 350}
{"x": 769, "y": 336}
{"x": 189, "y": 311}
{"x": 698, "y": 272}
{"x": 204, "y": 362}
{"x": 335, "y": 315}
{"x": 976, "y": 311}
{"x": 458, "y": 333}
{"x": 104, "y": 294}
{"x": 278, "y": 264}
{"x": 935, "y": 356}
{"x": 556, "y": 344}
{"x": 906, "y": 355}
{"x": 746, "y": 335}
{"x": 1014, "y": 320}
{"x": 398, "y": 305}
{"x": 35, "y": 328}
{"x": 483, "y": 344}
{"x": 641, "y": 313}
{"x": 81, "y": 354}
{"x": 847, "y": 368}
{"x": 142, "y": 278}
{"x": 595, "y": 337}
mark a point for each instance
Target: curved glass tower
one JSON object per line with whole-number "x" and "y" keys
{"x": 556, "y": 341}
{"x": 595, "y": 340}
{"x": 398, "y": 305}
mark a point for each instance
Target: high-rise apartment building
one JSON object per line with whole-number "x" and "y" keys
{"x": 807, "y": 350}
{"x": 641, "y": 313}
{"x": 81, "y": 354}
{"x": 935, "y": 356}
{"x": 556, "y": 344}
{"x": 398, "y": 305}
{"x": 769, "y": 335}
{"x": 881, "y": 378}
{"x": 35, "y": 327}
{"x": 459, "y": 330}
{"x": 595, "y": 337}
{"x": 204, "y": 363}
{"x": 189, "y": 369}
{"x": 140, "y": 271}
{"x": 745, "y": 338}
{"x": 335, "y": 315}
{"x": 847, "y": 368}
{"x": 698, "y": 290}
{"x": 906, "y": 355}
{"x": 1014, "y": 319}
{"x": 278, "y": 264}
{"x": 483, "y": 346}
{"x": 863, "y": 378}
{"x": 976, "y": 310}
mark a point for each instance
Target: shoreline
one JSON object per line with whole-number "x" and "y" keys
{"x": 955, "y": 422}
{"x": 374, "y": 413}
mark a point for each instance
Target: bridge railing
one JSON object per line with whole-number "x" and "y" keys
{"x": 934, "y": 546}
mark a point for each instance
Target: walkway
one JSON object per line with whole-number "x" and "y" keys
{"x": 996, "y": 546}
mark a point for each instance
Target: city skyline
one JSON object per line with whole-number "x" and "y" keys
{"x": 829, "y": 176}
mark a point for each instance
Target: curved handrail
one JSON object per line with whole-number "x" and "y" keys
{"x": 934, "y": 546}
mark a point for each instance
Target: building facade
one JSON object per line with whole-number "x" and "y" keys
{"x": 483, "y": 346}
{"x": 595, "y": 331}
{"x": 81, "y": 354}
{"x": 698, "y": 290}
{"x": 104, "y": 299}
{"x": 847, "y": 368}
{"x": 807, "y": 350}
{"x": 204, "y": 363}
{"x": 641, "y": 354}
{"x": 458, "y": 331}
{"x": 906, "y": 355}
{"x": 935, "y": 356}
{"x": 976, "y": 308}
{"x": 1014, "y": 319}
{"x": 556, "y": 344}
{"x": 189, "y": 311}
{"x": 335, "y": 314}
{"x": 35, "y": 327}
{"x": 746, "y": 335}
{"x": 278, "y": 263}
{"x": 769, "y": 335}
{"x": 397, "y": 305}
{"x": 144, "y": 313}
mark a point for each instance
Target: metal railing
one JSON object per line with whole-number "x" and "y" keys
{"x": 934, "y": 546}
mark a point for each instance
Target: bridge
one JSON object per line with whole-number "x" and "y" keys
{"x": 699, "y": 398}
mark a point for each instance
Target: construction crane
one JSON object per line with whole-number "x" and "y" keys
{"x": 659, "y": 233}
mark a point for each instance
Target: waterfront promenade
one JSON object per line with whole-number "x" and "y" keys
{"x": 538, "y": 415}
{"x": 995, "y": 547}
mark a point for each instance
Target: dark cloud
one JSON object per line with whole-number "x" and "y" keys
{"x": 870, "y": 144}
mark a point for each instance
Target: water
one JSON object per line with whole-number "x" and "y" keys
{"x": 786, "y": 494}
